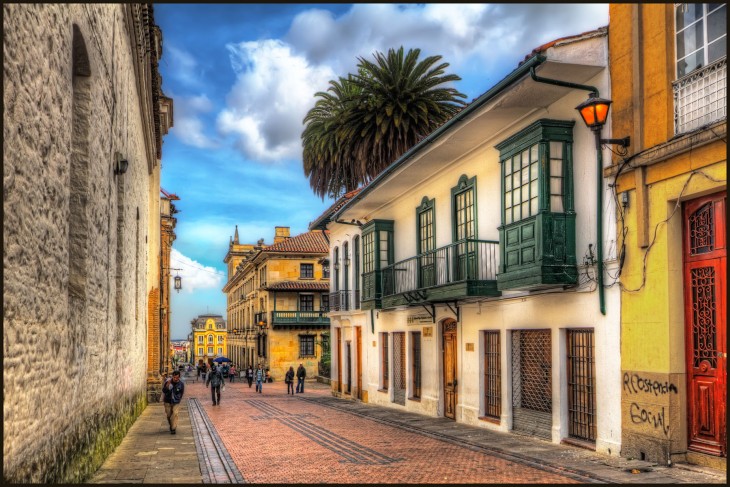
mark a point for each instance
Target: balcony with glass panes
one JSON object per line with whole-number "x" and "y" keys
{"x": 537, "y": 235}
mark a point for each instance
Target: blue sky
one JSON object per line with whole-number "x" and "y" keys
{"x": 243, "y": 76}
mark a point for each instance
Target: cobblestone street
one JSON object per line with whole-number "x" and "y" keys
{"x": 315, "y": 438}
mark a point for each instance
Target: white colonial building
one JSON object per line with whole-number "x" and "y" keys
{"x": 464, "y": 277}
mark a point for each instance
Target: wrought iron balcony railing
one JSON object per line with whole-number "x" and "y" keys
{"x": 468, "y": 260}
{"x": 344, "y": 300}
{"x": 700, "y": 97}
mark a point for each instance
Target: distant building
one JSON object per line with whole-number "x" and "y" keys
{"x": 84, "y": 116}
{"x": 278, "y": 297}
{"x": 209, "y": 338}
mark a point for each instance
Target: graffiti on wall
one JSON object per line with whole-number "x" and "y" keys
{"x": 634, "y": 384}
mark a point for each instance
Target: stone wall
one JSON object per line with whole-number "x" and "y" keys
{"x": 74, "y": 354}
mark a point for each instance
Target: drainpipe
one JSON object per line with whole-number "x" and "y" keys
{"x": 599, "y": 180}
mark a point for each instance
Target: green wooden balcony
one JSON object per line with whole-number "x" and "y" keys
{"x": 300, "y": 318}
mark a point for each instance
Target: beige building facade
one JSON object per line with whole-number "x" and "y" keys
{"x": 277, "y": 300}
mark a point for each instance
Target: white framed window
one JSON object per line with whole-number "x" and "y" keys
{"x": 210, "y": 350}
{"x": 701, "y": 35}
{"x": 200, "y": 339}
{"x": 700, "y": 90}
{"x": 220, "y": 351}
{"x": 210, "y": 338}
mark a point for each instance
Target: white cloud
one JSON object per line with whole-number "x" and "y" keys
{"x": 188, "y": 125}
{"x": 272, "y": 94}
{"x": 277, "y": 78}
{"x": 183, "y": 64}
{"x": 195, "y": 276}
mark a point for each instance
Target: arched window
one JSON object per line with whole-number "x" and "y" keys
{"x": 336, "y": 265}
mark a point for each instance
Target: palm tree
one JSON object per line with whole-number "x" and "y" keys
{"x": 364, "y": 122}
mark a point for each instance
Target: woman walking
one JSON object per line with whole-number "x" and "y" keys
{"x": 249, "y": 376}
{"x": 289, "y": 379}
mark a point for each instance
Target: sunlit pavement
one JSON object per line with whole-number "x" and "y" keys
{"x": 314, "y": 437}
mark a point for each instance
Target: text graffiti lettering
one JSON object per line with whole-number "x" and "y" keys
{"x": 640, "y": 415}
{"x": 634, "y": 384}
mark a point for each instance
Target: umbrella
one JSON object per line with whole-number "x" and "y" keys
{"x": 221, "y": 359}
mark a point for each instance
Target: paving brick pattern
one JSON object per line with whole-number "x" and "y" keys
{"x": 278, "y": 438}
{"x": 315, "y": 438}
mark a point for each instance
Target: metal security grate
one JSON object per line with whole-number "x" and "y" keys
{"x": 700, "y": 97}
{"x": 531, "y": 382}
{"x": 416, "y": 346}
{"x": 385, "y": 365}
{"x": 399, "y": 368}
{"x": 581, "y": 385}
{"x": 492, "y": 375}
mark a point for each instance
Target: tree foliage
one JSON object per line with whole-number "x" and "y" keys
{"x": 365, "y": 121}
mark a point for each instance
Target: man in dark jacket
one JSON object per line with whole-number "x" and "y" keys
{"x": 172, "y": 392}
{"x": 215, "y": 379}
{"x": 301, "y": 374}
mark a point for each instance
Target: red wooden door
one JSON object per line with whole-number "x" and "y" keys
{"x": 450, "y": 382}
{"x": 705, "y": 323}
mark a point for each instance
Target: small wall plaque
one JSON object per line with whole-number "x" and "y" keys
{"x": 374, "y": 343}
{"x": 427, "y": 331}
{"x": 469, "y": 347}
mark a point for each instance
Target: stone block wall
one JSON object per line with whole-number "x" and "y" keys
{"x": 74, "y": 357}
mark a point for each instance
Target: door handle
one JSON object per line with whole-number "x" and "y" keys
{"x": 454, "y": 382}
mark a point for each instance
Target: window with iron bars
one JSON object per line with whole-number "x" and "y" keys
{"x": 492, "y": 375}
{"x": 306, "y": 345}
{"x": 416, "y": 364}
{"x": 581, "y": 385}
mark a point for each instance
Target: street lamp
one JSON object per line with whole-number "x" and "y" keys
{"x": 178, "y": 283}
{"x": 594, "y": 112}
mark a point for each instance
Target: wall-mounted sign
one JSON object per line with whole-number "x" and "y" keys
{"x": 374, "y": 345}
{"x": 469, "y": 347}
{"x": 419, "y": 319}
{"x": 427, "y": 331}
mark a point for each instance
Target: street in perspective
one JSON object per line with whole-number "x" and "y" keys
{"x": 367, "y": 243}
{"x": 276, "y": 438}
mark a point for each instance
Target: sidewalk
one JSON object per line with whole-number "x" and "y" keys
{"x": 149, "y": 454}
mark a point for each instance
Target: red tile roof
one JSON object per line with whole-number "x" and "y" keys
{"x": 323, "y": 219}
{"x": 561, "y": 40}
{"x": 298, "y": 286}
{"x": 315, "y": 242}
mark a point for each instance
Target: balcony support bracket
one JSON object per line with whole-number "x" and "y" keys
{"x": 455, "y": 311}
{"x": 431, "y": 312}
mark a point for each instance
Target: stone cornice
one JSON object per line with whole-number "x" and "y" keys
{"x": 674, "y": 147}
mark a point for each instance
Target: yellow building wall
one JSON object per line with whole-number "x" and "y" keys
{"x": 205, "y": 333}
{"x": 641, "y": 59}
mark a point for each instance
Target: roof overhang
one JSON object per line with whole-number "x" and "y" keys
{"x": 487, "y": 118}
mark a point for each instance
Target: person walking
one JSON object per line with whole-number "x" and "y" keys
{"x": 260, "y": 378}
{"x": 232, "y": 373}
{"x": 172, "y": 392}
{"x": 215, "y": 379}
{"x": 301, "y": 374}
{"x": 249, "y": 376}
{"x": 289, "y": 379}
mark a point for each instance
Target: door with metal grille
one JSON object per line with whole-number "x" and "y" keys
{"x": 705, "y": 288}
{"x": 581, "y": 385}
{"x": 532, "y": 383}
{"x": 399, "y": 368}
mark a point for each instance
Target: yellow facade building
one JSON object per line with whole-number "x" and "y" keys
{"x": 278, "y": 298}
{"x": 209, "y": 338}
{"x": 668, "y": 83}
